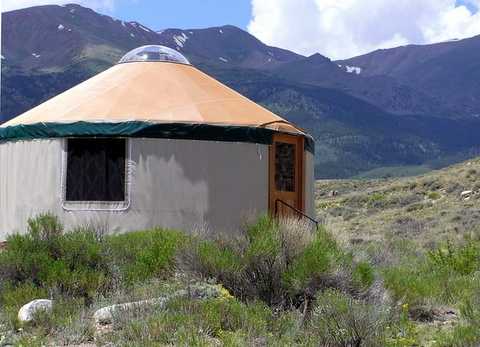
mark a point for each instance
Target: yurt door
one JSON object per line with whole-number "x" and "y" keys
{"x": 286, "y": 175}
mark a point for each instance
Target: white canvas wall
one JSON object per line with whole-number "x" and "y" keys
{"x": 174, "y": 183}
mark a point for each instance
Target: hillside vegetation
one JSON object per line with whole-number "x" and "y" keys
{"x": 426, "y": 209}
{"x": 396, "y": 263}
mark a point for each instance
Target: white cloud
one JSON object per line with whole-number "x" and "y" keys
{"x": 345, "y": 28}
{"x": 8, "y": 5}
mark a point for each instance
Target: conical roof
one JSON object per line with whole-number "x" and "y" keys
{"x": 162, "y": 90}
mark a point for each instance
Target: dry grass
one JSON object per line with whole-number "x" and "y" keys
{"x": 427, "y": 209}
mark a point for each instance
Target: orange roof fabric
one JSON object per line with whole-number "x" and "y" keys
{"x": 157, "y": 92}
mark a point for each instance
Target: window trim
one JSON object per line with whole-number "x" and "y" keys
{"x": 100, "y": 206}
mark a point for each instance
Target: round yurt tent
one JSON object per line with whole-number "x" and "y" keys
{"x": 150, "y": 142}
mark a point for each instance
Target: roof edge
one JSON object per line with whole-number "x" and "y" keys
{"x": 184, "y": 131}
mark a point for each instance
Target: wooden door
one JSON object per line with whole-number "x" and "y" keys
{"x": 286, "y": 183}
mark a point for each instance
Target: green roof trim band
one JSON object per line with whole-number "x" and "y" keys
{"x": 182, "y": 131}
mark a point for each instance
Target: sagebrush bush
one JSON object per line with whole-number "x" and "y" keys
{"x": 443, "y": 275}
{"x": 186, "y": 322}
{"x": 278, "y": 262}
{"x": 340, "y": 320}
{"x": 146, "y": 254}
{"x": 12, "y": 297}
{"x": 464, "y": 259}
{"x": 75, "y": 264}
{"x": 84, "y": 262}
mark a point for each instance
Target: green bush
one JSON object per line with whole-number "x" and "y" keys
{"x": 276, "y": 262}
{"x": 434, "y": 195}
{"x": 72, "y": 263}
{"x": 363, "y": 275}
{"x": 316, "y": 260}
{"x": 196, "y": 322}
{"x": 83, "y": 262}
{"x": 146, "y": 254}
{"x": 376, "y": 200}
{"x": 443, "y": 275}
{"x": 14, "y": 297}
{"x": 464, "y": 259}
{"x": 340, "y": 320}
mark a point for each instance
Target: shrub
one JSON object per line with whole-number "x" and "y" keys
{"x": 14, "y": 297}
{"x": 72, "y": 263}
{"x": 376, "y": 200}
{"x": 340, "y": 320}
{"x": 363, "y": 275}
{"x": 84, "y": 262}
{"x": 463, "y": 260}
{"x": 278, "y": 262}
{"x": 196, "y": 322}
{"x": 316, "y": 260}
{"x": 434, "y": 195}
{"x": 146, "y": 254}
{"x": 443, "y": 275}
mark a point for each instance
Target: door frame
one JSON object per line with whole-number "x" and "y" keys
{"x": 299, "y": 194}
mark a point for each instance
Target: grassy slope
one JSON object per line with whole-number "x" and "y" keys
{"x": 426, "y": 208}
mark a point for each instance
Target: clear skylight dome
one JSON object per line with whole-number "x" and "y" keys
{"x": 154, "y": 53}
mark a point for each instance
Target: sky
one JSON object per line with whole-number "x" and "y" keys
{"x": 335, "y": 28}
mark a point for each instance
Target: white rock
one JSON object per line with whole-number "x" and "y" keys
{"x": 28, "y": 311}
{"x": 466, "y": 193}
{"x": 106, "y": 315}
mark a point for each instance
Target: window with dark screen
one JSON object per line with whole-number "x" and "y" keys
{"x": 96, "y": 170}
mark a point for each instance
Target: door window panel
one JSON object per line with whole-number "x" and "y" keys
{"x": 285, "y": 166}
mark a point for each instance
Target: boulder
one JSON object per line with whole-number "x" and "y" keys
{"x": 105, "y": 315}
{"x": 27, "y": 312}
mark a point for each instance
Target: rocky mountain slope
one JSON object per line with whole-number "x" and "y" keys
{"x": 361, "y": 120}
{"x": 448, "y": 71}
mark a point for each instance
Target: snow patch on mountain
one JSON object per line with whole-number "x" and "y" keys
{"x": 60, "y": 27}
{"x": 351, "y": 69}
{"x": 220, "y": 31}
{"x": 223, "y": 59}
{"x": 35, "y": 55}
{"x": 144, "y": 28}
{"x": 180, "y": 39}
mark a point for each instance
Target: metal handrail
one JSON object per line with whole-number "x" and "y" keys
{"x": 316, "y": 222}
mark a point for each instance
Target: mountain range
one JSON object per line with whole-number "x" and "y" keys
{"x": 411, "y": 106}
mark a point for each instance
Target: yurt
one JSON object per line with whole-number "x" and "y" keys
{"x": 152, "y": 142}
